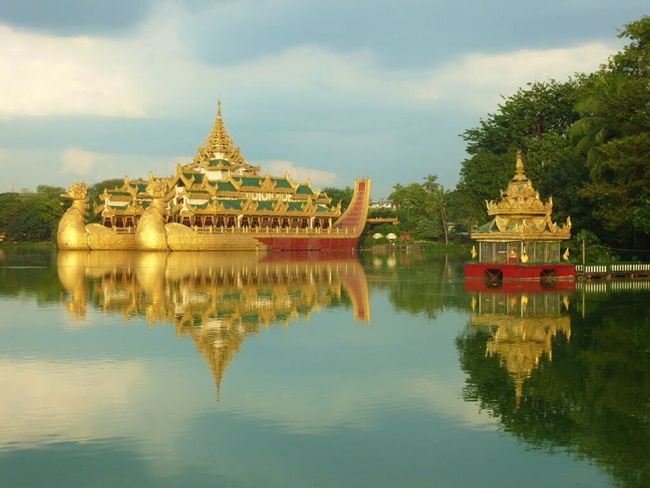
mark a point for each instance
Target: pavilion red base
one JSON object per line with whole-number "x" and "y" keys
{"x": 498, "y": 274}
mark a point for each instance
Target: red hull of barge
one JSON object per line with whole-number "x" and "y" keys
{"x": 492, "y": 273}
{"x": 311, "y": 244}
{"x": 344, "y": 235}
{"x": 521, "y": 286}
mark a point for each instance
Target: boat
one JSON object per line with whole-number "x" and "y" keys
{"x": 218, "y": 202}
{"x": 521, "y": 242}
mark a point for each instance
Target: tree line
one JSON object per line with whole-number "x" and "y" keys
{"x": 28, "y": 216}
{"x": 585, "y": 141}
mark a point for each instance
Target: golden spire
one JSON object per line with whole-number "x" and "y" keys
{"x": 219, "y": 144}
{"x": 519, "y": 167}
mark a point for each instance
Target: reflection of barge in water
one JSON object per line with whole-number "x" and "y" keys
{"x": 521, "y": 242}
{"x": 216, "y": 299}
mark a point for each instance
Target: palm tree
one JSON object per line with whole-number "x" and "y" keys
{"x": 430, "y": 183}
{"x": 594, "y": 128}
{"x": 441, "y": 203}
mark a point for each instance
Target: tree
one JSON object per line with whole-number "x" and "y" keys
{"x": 417, "y": 209}
{"x": 536, "y": 120}
{"x": 439, "y": 200}
{"x": 30, "y": 216}
{"x": 614, "y": 132}
{"x": 339, "y": 195}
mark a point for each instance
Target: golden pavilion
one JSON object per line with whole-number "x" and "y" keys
{"x": 220, "y": 189}
{"x": 521, "y": 241}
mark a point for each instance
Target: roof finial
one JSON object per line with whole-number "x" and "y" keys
{"x": 219, "y": 108}
{"x": 520, "y": 163}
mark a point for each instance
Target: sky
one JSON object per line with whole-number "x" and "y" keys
{"x": 325, "y": 90}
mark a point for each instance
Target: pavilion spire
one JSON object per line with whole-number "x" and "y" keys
{"x": 519, "y": 167}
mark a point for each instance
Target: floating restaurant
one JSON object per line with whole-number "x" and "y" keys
{"x": 521, "y": 242}
{"x": 217, "y": 202}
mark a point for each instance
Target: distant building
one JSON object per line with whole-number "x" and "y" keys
{"x": 382, "y": 204}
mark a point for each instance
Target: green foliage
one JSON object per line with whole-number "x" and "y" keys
{"x": 340, "y": 195}
{"x": 26, "y": 217}
{"x": 614, "y": 132}
{"x": 421, "y": 208}
{"x": 594, "y": 250}
{"x": 641, "y": 216}
{"x": 536, "y": 120}
{"x": 382, "y": 212}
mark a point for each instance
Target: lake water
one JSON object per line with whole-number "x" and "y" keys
{"x": 237, "y": 370}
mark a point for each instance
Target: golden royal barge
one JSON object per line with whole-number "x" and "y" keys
{"x": 217, "y": 202}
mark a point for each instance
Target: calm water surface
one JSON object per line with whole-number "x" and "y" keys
{"x": 237, "y": 370}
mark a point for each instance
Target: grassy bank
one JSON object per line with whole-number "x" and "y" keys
{"x": 427, "y": 248}
{"x": 48, "y": 245}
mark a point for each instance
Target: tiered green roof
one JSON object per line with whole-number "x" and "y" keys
{"x": 220, "y": 177}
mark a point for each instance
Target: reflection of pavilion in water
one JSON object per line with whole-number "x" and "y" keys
{"x": 523, "y": 326}
{"x": 216, "y": 299}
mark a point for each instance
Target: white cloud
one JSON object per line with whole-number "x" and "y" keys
{"x": 46, "y": 401}
{"x": 154, "y": 72}
{"x": 43, "y": 75}
{"x": 349, "y": 403}
{"x": 52, "y": 401}
{"x": 96, "y": 166}
{"x": 478, "y": 80}
{"x": 299, "y": 174}
{"x": 77, "y": 161}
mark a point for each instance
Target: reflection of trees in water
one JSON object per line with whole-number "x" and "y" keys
{"x": 25, "y": 272}
{"x": 593, "y": 398}
{"x": 416, "y": 283}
